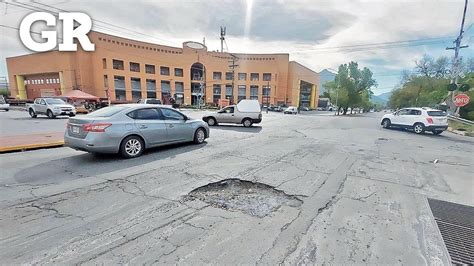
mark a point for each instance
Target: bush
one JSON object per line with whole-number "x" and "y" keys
{"x": 469, "y": 116}
{"x": 5, "y": 92}
{"x": 467, "y": 112}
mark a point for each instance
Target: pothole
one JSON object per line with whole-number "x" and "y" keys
{"x": 252, "y": 198}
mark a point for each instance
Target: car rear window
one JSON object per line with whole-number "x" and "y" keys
{"x": 436, "y": 113}
{"x": 107, "y": 111}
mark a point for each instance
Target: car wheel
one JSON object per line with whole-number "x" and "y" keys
{"x": 131, "y": 147}
{"x": 386, "y": 123}
{"x": 199, "y": 136}
{"x": 50, "y": 114}
{"x": 418, "y": 128}
{"x": 211, "y": 121}
{"x": 32, "y": 113}
{"x": 247, "y": 122}
{"x": 6, "y": 110}
{"x": 72, "y": 115}
{"x": 437, "y": 132}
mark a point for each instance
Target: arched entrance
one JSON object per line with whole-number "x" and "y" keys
{"x": 198, "y": 84}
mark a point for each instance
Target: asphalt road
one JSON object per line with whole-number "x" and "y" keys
{"x": 360, "y": 192}
{"x": 16, "y": 122}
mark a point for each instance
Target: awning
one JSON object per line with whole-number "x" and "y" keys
{"x": 79, "y": 95}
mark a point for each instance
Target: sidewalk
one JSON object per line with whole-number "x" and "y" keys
{"x": 32, "y": 141}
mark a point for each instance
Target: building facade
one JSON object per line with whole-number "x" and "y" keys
{"x": 126, "y": 70}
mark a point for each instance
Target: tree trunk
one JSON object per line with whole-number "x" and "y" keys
{"x": 344, "y": 111}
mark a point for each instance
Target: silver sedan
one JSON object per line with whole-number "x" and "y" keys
{"x": 129, "y": 129}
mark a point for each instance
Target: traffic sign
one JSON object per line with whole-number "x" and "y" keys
{"x": 461, "y": 100}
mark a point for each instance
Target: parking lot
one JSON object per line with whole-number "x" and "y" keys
{"x": 308, "y": 188}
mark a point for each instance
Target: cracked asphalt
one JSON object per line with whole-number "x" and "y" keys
{"x": 363, "y": 191}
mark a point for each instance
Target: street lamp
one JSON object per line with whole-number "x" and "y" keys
{"x": 268, "y": 100}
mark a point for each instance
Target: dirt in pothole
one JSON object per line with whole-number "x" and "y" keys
{"x": 255, "y": 199}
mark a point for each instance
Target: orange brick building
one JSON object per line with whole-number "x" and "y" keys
{"x": 126, "y": 70}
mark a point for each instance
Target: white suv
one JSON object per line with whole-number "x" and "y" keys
{"x": 418, "y": 119}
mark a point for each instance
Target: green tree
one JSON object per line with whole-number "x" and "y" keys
{"x": 352, "y": 87}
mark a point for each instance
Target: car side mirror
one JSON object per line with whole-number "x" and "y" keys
{"x": 186, "y": 118}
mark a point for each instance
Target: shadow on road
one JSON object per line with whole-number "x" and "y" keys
{"x": 238, "y": 128}
{"x": 443, "y": 136}
{"x": 87, "y": 164}
{"x": 40, "y": 118}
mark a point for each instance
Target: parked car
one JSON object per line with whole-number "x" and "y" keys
{"x": 277, "y": 109}
{"x": 417, "y": 119}
{"x": 291, "y": 110}
{"x": 51, "y": 107}
{"x": 3, "y": 104}
{"x": 129, "y": 129}
{"x": 246, "y": 112}
{"x": 150, "y": 101}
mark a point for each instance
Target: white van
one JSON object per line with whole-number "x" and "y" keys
{"x": 246, "y": 112}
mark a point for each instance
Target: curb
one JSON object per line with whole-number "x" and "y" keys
{"x": 31, "y": 146}
{"x": 459, "y": 132}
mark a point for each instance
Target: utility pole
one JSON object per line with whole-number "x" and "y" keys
{"x": 232, "y": 69}
{"x": 223, "y": 30}
{"x": 456, "y": 61}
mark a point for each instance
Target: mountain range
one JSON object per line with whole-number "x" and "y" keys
{"x": 381, "y": 98}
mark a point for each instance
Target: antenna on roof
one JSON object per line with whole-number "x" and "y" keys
{"x": 223, "y": 30}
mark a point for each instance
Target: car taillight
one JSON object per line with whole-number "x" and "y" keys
{"x": 429, "y": 120}
{"x": 98, "y": 127}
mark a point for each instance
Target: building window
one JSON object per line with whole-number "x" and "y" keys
{"x": 119, "y": 85}
{"x": 106, "y": 81}
{"x": 151, "y": 88}
{"x": 165, "y": 71}
{"x": 150, "y": 69}
{"x": 117, "y": 64}
{"x": 136, "y": 89}
{"x": 242, "y": 76}
{"x": 104, "y": 63}
{"x": 134, "y": 67}
{"x": 253, "y": 92}
{"x": 165, "y": 92}
{"x": 179, "y": 92}
{"x": 216, "y": 90}
{"x": 217, "y": 75}
{"x": 266, "y": 90}
{"x": 178, "y": 72}
{"x": 267, "y": 76}
{"x": 254, "y": 76}
{"x": 241, "y": 93}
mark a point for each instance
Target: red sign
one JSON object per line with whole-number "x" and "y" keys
{"x": 461, "y": 100}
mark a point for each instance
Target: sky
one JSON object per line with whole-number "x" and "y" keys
{"x": 318, "y": 34}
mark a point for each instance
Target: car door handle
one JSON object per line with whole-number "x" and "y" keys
{"x": 143, "y": 126}
{"x": 171, "y": 126}
{"x": 232, "y": 115}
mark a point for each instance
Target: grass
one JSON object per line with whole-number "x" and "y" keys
{"x": 455, "y": 125}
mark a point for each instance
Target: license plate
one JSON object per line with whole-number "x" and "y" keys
{"x": 75, "y": 130}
